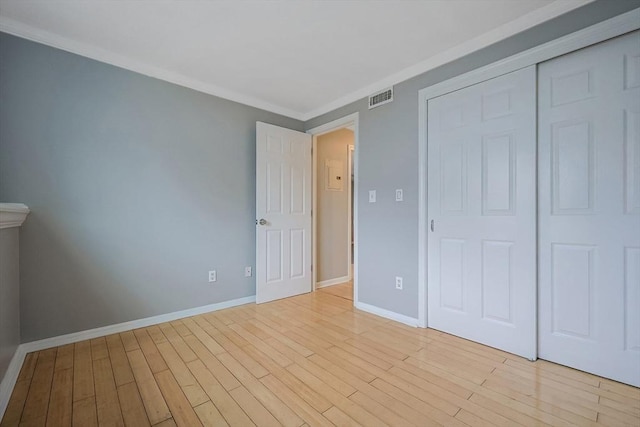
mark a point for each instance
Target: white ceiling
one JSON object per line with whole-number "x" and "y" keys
{"x": 298, "y": 58}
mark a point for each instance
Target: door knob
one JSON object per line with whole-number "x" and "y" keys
{"x": 262, "y": 221}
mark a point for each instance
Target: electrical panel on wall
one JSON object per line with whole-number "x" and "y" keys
{"x": 333, "y": 172}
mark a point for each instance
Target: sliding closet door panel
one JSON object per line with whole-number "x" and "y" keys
{"x": 589, "y": 209}
{"x": 482, "y": 201}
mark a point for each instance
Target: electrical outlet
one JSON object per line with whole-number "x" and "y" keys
{"x": 399, "y": 195}
{"x": 247, "y": 272}
{"x": 372, "y": 196}
{"x": 213, "y": 276}
{"x": 398, "y": 282}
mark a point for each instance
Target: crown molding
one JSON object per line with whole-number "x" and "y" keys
{"x": 12, "y": 214}
{"x": 555, "y": 9}
{"x": 28, "y": 32}
{"x": 520, "y": 24}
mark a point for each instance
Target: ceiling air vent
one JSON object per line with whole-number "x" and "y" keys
{"x": 380, "y": 98}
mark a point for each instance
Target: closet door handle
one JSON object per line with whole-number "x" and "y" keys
{"x": 431, "y": 225}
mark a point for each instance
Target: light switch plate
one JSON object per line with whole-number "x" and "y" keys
{"x": 399, "y": 195}
{"x": 372, "y": 196}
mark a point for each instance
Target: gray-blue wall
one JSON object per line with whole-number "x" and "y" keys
{"x": 137, "y": 188}
{"x": 387, "y": 152}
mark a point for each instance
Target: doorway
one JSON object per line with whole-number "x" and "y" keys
{"x": 334, "y": 208}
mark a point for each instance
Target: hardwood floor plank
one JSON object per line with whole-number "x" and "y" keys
{"x": 228, "y": 407}
{"x": 82, "y": 371}
{"x": 28, "y": 366}
{"x": 180, "y": 328}
{"x": 61, "y": 400}
{"x": 309, "y": 414}
{"x": 505, "y": 411}
{"x": 546, "y": 407}
{"x": 423, "y": 406}
{"x": 150, "y": 351}
{"x": 119, "y": 361}
{"x": 339, "y": 418}
{"x": 132, "y": 407}
{"x": 209, "y": 415}
{"x": 183, "y": 413}
{"x": 258, "y": 413}
{"x": 166, "y": 423}
{"x": 307, "y": 394}
{"x": 154, "y": 403}
{"x": 256, "y": 369}
{"x": 84, "y": 412}
{"x": 257, "y": 342}
{"x": 350, "y": 408}
{"x": 212, "y": 345}
{"x": 107, "y": 403}
{"x": 178, "y": 343}
{"x": 379, "y": 411}
{"x": 187, "y": 382}
{"x": 285, "y": 415}
{"x": 64, "y": 357}
{"x": 156, "y": 334}
{"x": 13, "y": 413}
{"x": 37, "y": 403}
{"x": 129, "y": 341}
{"x": 226, "y": 378}
{"x": 99, "y": 348}
{"x": 542, "y": 395}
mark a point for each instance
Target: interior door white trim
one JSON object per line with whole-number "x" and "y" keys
{"x": 350, "y": 120}
{"x": 350, "y": 193}
{"x": 599, "y": 32}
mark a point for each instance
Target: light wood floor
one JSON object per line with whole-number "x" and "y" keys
{"x": 343, "y": 290}
{"x": 308, "y": 360}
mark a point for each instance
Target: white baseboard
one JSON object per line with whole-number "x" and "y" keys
{"x": 10, "y": 377}
{"x": 386, "y": 313}
{"x": 331, "y": 282}
{"x": 134, "y": 324}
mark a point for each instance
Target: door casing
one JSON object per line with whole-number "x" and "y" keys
{"x": 346, "y": 121}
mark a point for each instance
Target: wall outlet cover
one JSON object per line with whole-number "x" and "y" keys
{"x": 247, "y": 272}
{"x": 398, "y": 282}
{"x": 372, "y": 196}
{"x": 213, "y": 276}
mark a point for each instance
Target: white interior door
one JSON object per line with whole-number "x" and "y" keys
{"x": 482, "y": 201}
{"x": 283, "y": 210}
{"x": 589, "y": 160}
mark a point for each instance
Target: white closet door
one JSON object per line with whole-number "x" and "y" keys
{"x": 482, "y": 201}
{"x": 589, "y": 254}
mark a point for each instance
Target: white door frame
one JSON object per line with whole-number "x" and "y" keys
{"x": 350, "y": 120}
{"x": 604, "y": 30}
{"x": 352, "y": 201}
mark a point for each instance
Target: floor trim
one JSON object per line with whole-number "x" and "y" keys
{"x": 332, "y": 282}
{"x": 11, "y": 376}
{"x": 386, "y": 314}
